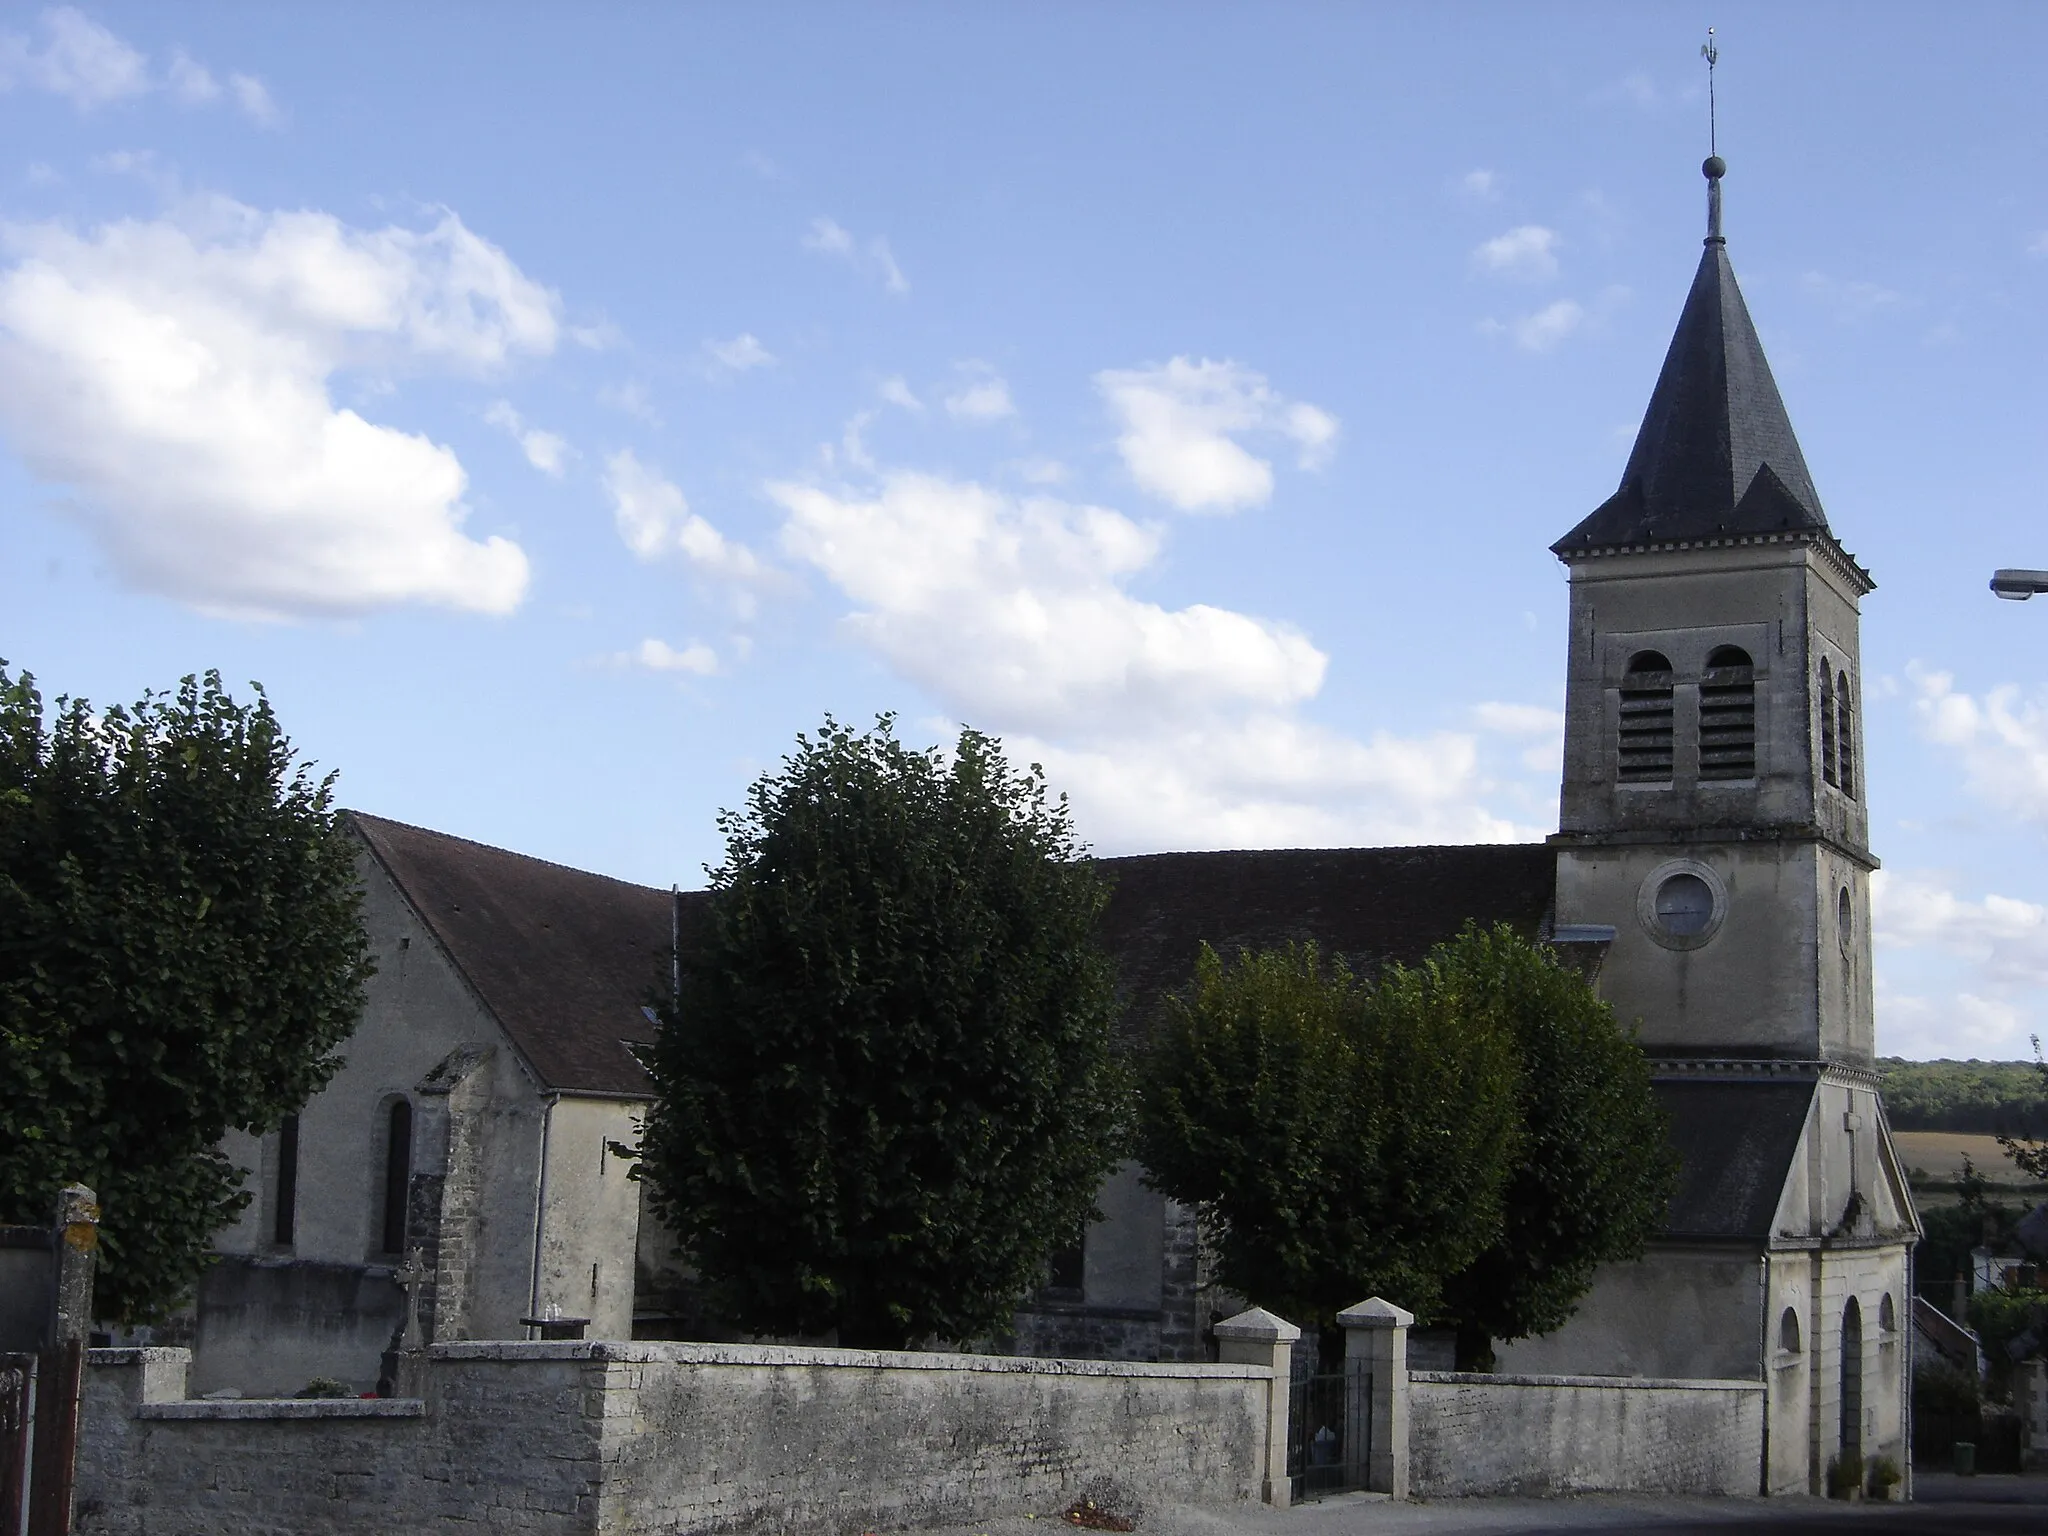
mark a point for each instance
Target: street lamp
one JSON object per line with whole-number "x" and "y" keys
{"x": 2019, "y": 585}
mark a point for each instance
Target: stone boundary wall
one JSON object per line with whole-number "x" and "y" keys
{"x": 1474, "y": 1434}
{"x": 615, "y": 1438}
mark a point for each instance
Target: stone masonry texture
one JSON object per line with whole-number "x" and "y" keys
{"x": 663, "y": 1438}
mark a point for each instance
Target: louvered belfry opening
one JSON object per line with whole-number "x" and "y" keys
{"x": 1845, "y": 735}
{"x": 1646, "y": 719}
{"x": 1728, "y": 715}
{"x": 1827, "y": 725}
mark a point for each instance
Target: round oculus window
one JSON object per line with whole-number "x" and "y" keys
{"x": 1685, "y": 905}
{"x": 1681, "y": 904}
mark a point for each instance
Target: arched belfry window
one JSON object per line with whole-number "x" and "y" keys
{"x": 1645, "y": 729}
{"x": 397, "y": 1177}
{"x": 1827, "y": 724}
{"x": 1788, "y": 1332}
{"x": 1728, "y": 715}
{"x": 1845, "y": 735}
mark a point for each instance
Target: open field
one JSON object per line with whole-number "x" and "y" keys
{"x": 1939, "y": 1155}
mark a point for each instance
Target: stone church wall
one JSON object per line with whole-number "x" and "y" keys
{"x": 1582, "y": 1434}
{"x": 617, "y": 1438}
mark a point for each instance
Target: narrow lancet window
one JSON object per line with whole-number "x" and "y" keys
{"x": 285, "y": 1220}
{"x": 1645, "y": 731}
{"x": 1728, "y": 715}
{"x": 397, "y": 1175}
{"x": 1827, "y": 724}
{"x": 1845, "y": 735}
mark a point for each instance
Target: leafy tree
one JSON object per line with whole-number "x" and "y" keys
{"x": 1340, "y": 1139}
{"x": 1594, "y": 1178}
{"x": 2030, "y": 1154}
{"x": 180, "y": 952}
{"x": 886, "y": 1093}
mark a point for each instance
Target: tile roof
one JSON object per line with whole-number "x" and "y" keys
{"x": 1716, "y": 456}
{"x": 1735, "y": 1141}
{"x": 562, "y": 958}
{"x": 1370, "y": 905}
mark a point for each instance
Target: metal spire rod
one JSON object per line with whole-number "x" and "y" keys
{"x": 1715, "y": 167}
{"x": 1711, "y": 52}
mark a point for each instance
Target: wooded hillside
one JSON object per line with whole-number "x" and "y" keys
{"x": 1992, "y": 1097}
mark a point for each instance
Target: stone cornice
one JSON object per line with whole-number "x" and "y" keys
{"x": 1826, "y": 545}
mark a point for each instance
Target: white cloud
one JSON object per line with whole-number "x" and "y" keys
{"x": 983, "y": 397}
{"x": 254, "y": 98}
{"x": 629, "y": 399}
{"x": 898, "y": 393}
{"x": 654, "y": 519}
{"x": 830, "y": 238}
{"x": 79, "y": 60}
{"x": 659, "y": 656}
{"x": 189, "y": 80}
{"x": 1527, "y": 252}
{"x": 744, "y": 351}
{"x": 2000, "y": 739}
{"x": 1483, "y": 186}
{"x": 175, "y": 374}
{"x": 547, "y": 452}
{"x": 1542, "y": 728}
{"x": 2038, "y": 246}
{"x": 1998, "y": 946}
{"x": 1548, "y": 326}
{"x": 1172, "y": 727}
{"x": 1178, "y": 422}
{"x": 89, "y": 66}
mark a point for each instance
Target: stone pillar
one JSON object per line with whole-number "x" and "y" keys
{"x": 1376, "y": 1342}
{"x": 1258, "y": 1337}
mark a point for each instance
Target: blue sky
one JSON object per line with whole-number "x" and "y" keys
{"x": 559, "y": 408}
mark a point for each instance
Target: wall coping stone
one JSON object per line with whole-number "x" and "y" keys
{"x": 1618, "y": 1383}
{"x": 286, "y": 1408}
{"x": 156, "y": 1354}
{"x": 625, "y": 1352}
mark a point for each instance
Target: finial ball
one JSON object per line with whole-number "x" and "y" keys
{"x": 1714, "y": 168}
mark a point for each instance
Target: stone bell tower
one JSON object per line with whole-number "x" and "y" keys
{"x": 1713, "y": 812}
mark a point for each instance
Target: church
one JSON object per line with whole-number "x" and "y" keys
{"x": 1711, "y": 868}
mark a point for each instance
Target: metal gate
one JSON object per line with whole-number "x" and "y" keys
{"x": 17, "y": 1377}
{"x": 1329, "y": 1429}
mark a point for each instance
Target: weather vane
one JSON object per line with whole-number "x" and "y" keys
{"x": 1715, "y": 167}
{"x": 1712, "y": 54}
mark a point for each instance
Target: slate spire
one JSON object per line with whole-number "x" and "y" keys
{"x": 1715, "y": 456}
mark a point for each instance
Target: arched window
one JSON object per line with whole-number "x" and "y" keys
{"x": 1852, "y": 1380}
{"x": 1788, "y": 1332}
{"x": 1887, "y": 1315}
{"x": 397, "y": 1176}
{"x": 1645, "y": 729}
{"x": 285, "y": 1217}
{"x": 1827, "y": 723}
{"x": 1728, "y": 715}
{"x": 1845, "y": 938}
{"x": 1845, "y": 735}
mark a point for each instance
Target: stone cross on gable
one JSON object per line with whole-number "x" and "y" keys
{"x": 411, "y": 1274}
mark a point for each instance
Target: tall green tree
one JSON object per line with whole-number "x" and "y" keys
{"x": 1594, "y": 1176}
{"x": 180, "y": 953}
{"x": 886, "y": 1092}
{"x": 1340, "y": 1139}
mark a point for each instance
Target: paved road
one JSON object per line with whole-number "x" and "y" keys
{"x": 1945, "y": 1506}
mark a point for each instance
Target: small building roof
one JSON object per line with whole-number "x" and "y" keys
{"x": 1735, "y": 1142}
{"x": 1368, "y": 905}
{"x": 562, "y": 958}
